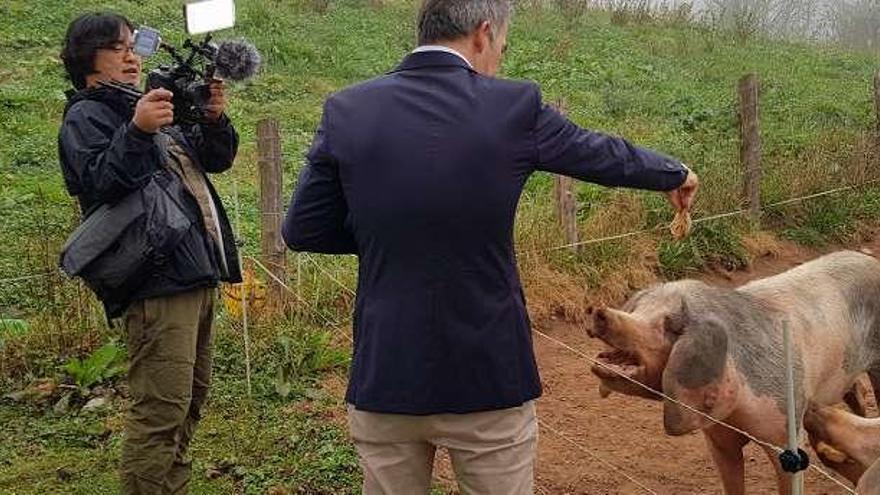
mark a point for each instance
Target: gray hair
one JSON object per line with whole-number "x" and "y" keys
{"x": 446, "y": 20}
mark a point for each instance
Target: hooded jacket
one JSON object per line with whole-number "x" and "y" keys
{"x": 105, "y": 157}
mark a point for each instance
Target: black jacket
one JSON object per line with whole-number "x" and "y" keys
{"x": 104, "y": 157}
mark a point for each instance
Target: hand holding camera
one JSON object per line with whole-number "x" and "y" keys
{"x": 217, "y": 102}
{"x": 154, "y": 111}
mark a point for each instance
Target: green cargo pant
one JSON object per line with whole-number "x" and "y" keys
{"x": 169, "y": 346}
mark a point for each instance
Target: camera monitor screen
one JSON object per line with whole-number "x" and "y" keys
{"x": 203, "y": 16}
{"x": 146, "y": 41}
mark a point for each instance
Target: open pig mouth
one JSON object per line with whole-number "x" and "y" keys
{"x": 621, "y": 367}
{"x": 617, "y": 362}
{"x": 618, "y": 369}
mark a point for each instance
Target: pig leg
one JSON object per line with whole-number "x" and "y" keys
{"x": 727, "y": 452}
{"x": 860, "y": 399}
{"x": 855, "y": 405}
{"x": 874, "y": 375}
{"x": 869, "y": 484}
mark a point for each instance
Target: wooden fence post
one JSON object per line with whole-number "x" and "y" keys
{"x": 272, "y": 246}
{"x": 566, "y": 199}
{"x": 566, "y": 208}
{"x": 750, "y": 143}
{"x": 877, "y": 108}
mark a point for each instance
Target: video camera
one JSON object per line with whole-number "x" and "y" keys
{"x": 190, "y": 76}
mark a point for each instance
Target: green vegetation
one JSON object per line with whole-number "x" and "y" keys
{"x": 104, "y": 364}
{"x": 244, "y": 445}
{"x": 666, "y": 85}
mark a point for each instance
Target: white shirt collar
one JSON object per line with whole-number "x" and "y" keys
{"x": 441, "y": 48}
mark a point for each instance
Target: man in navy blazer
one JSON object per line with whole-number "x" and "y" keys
{"x": 418, "y": 172}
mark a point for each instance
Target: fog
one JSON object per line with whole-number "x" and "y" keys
{"x": 850, "y": 22}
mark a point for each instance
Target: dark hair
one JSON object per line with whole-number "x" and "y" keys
{"x": 85, "y": 35}
{"x": 447, "y": 20}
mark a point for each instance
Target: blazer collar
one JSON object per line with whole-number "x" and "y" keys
{"x": 421, "y": 60}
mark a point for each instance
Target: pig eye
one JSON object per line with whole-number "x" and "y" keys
{"x": 674, "y": 324}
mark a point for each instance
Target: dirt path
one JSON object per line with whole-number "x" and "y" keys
{"x": 628, "y": 432}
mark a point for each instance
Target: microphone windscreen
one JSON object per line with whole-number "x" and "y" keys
{"x": 236, "y": 60}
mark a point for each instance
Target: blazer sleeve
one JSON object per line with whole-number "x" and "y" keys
{"x": 316, "y": 217}
{"x": 564, "y": 148}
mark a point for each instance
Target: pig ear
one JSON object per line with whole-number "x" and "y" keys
{"x": 694, "y": 374}
{"x": 675, "y": 323}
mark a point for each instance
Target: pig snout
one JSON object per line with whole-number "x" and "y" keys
{"x": 600, "y": 322}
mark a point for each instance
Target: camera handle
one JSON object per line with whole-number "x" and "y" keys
{"x": 171, "y": 51}
{"x": 131, "y": 94}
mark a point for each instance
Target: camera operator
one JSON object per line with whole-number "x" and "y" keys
{"x": 109, "y": 150}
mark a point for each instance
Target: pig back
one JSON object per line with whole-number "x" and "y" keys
{"x": 832, "y": 305}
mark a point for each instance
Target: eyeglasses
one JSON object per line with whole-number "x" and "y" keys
{"x": 119, "y": 48}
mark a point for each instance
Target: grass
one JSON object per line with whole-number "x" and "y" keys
{"x": 256, "y": 444}
{"x": 666, "y": 85}
{"x": 717, "y": 244}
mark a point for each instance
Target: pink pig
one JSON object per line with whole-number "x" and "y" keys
{"x": 720, "y": 351}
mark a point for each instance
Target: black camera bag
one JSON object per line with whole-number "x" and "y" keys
{"x": 116, "y": 242}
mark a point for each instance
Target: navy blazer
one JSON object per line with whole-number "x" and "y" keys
{"x": 419, "y": 172}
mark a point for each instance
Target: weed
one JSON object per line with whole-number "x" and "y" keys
{"x": 708, "y": 244}
{"x": 101, "y": 366}
{"x": 302, "y": 357}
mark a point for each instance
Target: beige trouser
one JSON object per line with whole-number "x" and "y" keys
{"x": 492, "y": 452}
